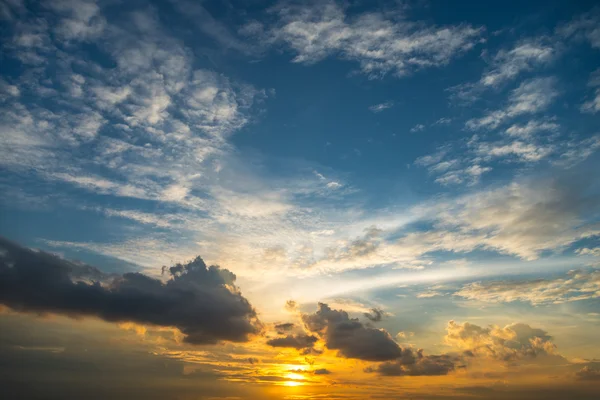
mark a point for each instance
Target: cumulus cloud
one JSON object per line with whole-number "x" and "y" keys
{"x": 202, "y": 302}
{"x": 578, "y": 285}
{"x": 354, "y": 339}
{"x": 414, "y": 363}
{"x": 380, "y": 43}
{"x": 513, "y": 342}
{"x": 350, "y": 337}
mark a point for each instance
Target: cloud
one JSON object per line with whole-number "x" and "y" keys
{"x": 531, "y": 128}
{"x": 588, "y": 373}
{"x": 593, "y": 106}
{"x": 414, "y": 363}
{"x": 144, "y": 127}
{"x": 380, "y": 43}
{"x": 443, "y": 121}
{"x": 294, "y": 341}
{"x": 532, "y": 96}
{"x": 522, "y": 219}
{"x": 514, "y": 342}
{"x": 583, "y": 27}
{"x": 507, "y": 65}
{"x": 284, "y": 327}
{"x": 417, "y": 128}
{"x": 349, "y": 336}
{"x": 578, "y": 285}
{"x": 375, "y": 315}
{"x": 291, "y": 305}
{"x": 354, "y": 339}
{"x": 381, "y": 106}
{"x": 321, "y": 371}
{"x": 202, "y": 302}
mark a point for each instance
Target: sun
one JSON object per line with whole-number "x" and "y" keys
{"x": 294, "y": 379}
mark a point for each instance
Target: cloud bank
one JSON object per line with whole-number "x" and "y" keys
{"x": 202, "y": 302}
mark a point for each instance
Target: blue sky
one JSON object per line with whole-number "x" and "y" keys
{"x": 415, "y": 154}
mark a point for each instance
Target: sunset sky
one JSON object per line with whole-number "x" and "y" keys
{"x": 334, "y": 200}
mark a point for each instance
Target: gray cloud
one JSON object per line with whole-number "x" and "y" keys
{"x": 285, "y": 327}
{"x": 414, "y": 363}
{"x": 375, "y": 315}
{"x": 322, "y": 371}
{"x": 300, "y": 341}
{"x": 351, "y": 337}
{"x": 202, "y": 302}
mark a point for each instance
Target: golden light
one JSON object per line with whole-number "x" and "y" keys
{"x": 295, "y": 376}
{"x": 293, "y": 383}
{"x": 294, "y": 379}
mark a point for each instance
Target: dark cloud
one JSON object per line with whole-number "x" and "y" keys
{"x": 285, "y": 327}
{"x": 202, "y": 302}
{"x": 375, "y": 315}
{"x": 300, "y": 341}
{"x": 322, "y": 371}
{"x": 291, "y": 305}
{"x": 351, "y": 337}
{"x": 414, "y": 363}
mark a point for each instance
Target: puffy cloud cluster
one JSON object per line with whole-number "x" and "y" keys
{"x": 353, "y": 339}
{"x": 202, "y": 302}
{"x": 579, "y": 285}
{"x": 513, "y": 342}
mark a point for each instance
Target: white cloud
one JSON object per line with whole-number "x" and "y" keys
{"x": 531, "y": 128}
{"x": 507, "y": 65}
{"x": 521, "y": 219}
{"x": 578, "y": 285}
{"x": 526, "y": 152}
{"x": 381, "y": 106}
{"x": 417, "y": 128}
{"x": 583, "y": 27}
{"x": 443, "y": 121}
{"x": 532, "y": 96}
{"x": 378, "y": 42}
{"x": 593, "y": 106}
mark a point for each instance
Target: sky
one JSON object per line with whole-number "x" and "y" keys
{"x": 294, "y": 200}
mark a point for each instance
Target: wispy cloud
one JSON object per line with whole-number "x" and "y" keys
{"x": 381, "y": 106}
{"x": 380, "y": 43}
{"x": 578, "y": 285}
